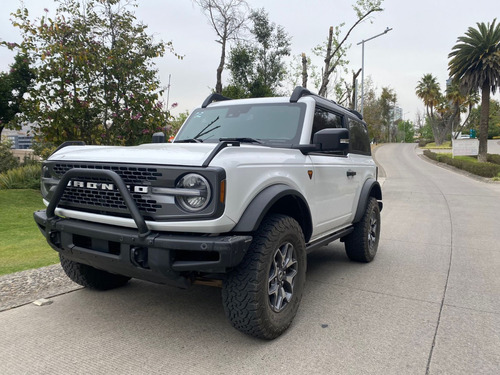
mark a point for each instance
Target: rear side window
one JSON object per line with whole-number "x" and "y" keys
{"x": 325, "y": 120}
{"x": 359, "y": 143}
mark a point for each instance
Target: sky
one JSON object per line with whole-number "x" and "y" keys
{"x": 423, "y": 34}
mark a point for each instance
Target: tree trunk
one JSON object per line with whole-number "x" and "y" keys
{"x": 354, "y": 90}
{"x": 483, "y": 123}
{"x": 220, "y": 68}
{"x": 304, "y": 71}
{"x": 326, "y": 75}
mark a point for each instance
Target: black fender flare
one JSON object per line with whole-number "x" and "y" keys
{"x": 371, "y": 188}
{"x": 264, "y": 201}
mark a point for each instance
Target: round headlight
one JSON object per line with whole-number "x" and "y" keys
{"x": 197, "y": 192}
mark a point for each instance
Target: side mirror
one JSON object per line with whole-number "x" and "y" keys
{"x": 332, "y": 140}
{"x": 159, "y": 137}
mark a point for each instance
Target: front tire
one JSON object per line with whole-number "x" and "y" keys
{"x": 262, "y": 295}
{"x": 91, "y": 277}
{"x": 361, "y": 245}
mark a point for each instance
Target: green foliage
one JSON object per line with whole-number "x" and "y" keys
{"x": 429, "y": 91}
{"x": 22, "y": 246}
{"x": 493, "y": 119}
{"x": 387, "y": 101}
{"x": 475, "y": 64}
{"x": 13, "y": 85}
{"x": 25, "y": 177}
{"x": 443, "y": 110}
{"x": 7, "y": 160}
{"x": 96, "y": 79}
{"x": 494, "y": 158}
{"x": 406, "y": 131}
{"x": 176, "y": 123}
{"x": 468, "y": 164}
{"x": 258, "y": 67}
{"x": 474, "y": 60}
{"x": 372, "y": 112}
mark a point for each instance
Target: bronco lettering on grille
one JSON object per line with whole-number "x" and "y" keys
{"x": 105, "y": 186}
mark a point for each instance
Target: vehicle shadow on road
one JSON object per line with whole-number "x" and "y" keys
{"x": 161, "y": 312}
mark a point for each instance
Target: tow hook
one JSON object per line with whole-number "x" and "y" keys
{"x": 139, "y": 257}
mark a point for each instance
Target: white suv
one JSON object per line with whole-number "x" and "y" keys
{"x": 247, "y": 188}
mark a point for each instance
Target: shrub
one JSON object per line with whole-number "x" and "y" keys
{"x": 488, "y": 169}
{"x": 494, "y": 158}
{"x": 430, "y": 154}
{"x": 26, "y": 177}
{"x": 7, "y": 160}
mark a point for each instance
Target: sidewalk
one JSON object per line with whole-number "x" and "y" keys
{"x": 24, "y": 287}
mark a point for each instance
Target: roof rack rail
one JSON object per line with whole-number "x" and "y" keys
{"x": 300, "y": 91}
{"x": 359, "y": 115}
{"x": 213, "y": 98}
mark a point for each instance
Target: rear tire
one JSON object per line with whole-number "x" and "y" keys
{"x": 91, "y": 277}
{"x": 262, "y": 295}
{"x": 361, "y": 245}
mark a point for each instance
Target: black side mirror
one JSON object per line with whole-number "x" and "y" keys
{"x": 159, "y": 137}
{"x": 332, "y": 140}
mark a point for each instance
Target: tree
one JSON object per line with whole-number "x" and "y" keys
{"x": 95, "y": 75}
{"x": 475, "y": 64}
{"x": 258, "y": 67}
{"x": 227, "y": 18}
{"x": 493, "y": 121}
{"x": 444, "y": 111}
{"x": 334, "y": 50}
{"x": 406, "y": 131}
{"x": 429, "y": 91}
{"x": 7, "y": 159}
{"x": 387, "y": 102}
{"x": 13, "y": 86}
{"x": 453, "y": 105}
{"x": 372, "y": 113}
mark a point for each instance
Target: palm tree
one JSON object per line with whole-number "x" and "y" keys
{"x": 475, "y": 64}
{"x": 429, "y": 91}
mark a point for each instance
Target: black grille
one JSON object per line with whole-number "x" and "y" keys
{"x": 105, "y": 200}
{"x": 129, "y": 175}
{"x": 100, "y": 195}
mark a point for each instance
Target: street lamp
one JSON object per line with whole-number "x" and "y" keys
{"x": 363, "y": 64}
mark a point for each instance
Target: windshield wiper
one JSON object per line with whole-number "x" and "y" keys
{"x": 241, "y": 139}
{"x": 189, "y": 140}
{"x": 204, "y": 131}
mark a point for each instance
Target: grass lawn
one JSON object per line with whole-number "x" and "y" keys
{"x": 446, "y": 144}
{"x": 22, "y": 246}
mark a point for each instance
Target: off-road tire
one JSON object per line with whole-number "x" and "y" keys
{"x": 91, "y": 277}
{"x": 361, "y": 245}
{"x": 252, "y": 292}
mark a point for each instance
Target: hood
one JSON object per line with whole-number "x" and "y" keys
{"x": 186, "y": 154}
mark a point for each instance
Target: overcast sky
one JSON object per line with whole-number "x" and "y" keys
{"x": 423, "y": 34}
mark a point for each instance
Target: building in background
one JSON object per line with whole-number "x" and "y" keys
{"x": 21, "y": 139}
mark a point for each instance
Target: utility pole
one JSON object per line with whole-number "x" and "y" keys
{"x": 363, "y": 64}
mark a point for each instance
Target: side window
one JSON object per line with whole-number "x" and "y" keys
{"x": 324, "y": 120}
{"x": 359, "y": 143}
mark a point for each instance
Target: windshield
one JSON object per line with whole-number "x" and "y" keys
{"x": 267, "y": 123}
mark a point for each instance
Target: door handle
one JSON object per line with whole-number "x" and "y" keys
{"x": 351, "y": 173}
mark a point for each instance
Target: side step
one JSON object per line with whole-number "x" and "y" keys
{"x": 330, "y": 238}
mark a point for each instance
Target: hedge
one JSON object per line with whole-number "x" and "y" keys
{"x": 493, "y": 158}
{"x": 26, "y": 177}
{"x": 481, "y": 169}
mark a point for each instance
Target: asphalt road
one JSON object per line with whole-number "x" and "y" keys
{"x": 428, "y": 304}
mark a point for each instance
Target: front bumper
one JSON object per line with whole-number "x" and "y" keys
{"x": 159, "y": 257}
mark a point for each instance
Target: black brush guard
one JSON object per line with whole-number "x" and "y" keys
{"x": 161, "y": 257}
